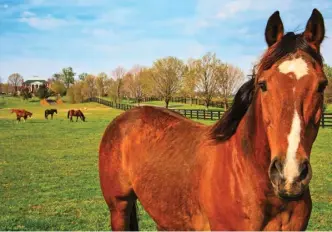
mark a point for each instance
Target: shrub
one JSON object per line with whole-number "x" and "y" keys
{"x": 43, "y": 92}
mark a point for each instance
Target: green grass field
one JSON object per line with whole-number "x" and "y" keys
{"x": 49, "y": 172}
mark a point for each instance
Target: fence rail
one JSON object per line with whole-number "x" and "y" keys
{"x": 326, "y": 120}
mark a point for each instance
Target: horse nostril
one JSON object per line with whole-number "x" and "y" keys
{"x": 275, "y": 171}
{"x": 304, "y": 171}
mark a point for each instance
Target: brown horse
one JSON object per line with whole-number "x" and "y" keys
{"x": 21, "y": 113}
{"x": 77, "y": 113}
{"x": 249, "y": 171}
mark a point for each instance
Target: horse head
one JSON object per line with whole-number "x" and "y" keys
{"x": 290, "y": 84}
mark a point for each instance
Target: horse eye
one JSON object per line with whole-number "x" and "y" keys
{"x": 321, "y": 86}
{"x": 262, "y": 85}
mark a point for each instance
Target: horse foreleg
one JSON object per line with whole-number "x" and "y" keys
{"x": 52, "y": 116}
{"x": 76, "y": 118}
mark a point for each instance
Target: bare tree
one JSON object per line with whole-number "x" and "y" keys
{"x": 15, "y": 80}
{"x": 75, "y": 92}
{"x": 100, "y": 83}
{"x": 207, "y": 78}
{"x": 167, "y": 74}
{"x": 118, "y": 75}
{"x": 190, "y": 79}
{"x": 89, "y": 86}
{"x": 136, "y": 84}
{"x": 1, "y": 85}
{"x": 230, "y": 77}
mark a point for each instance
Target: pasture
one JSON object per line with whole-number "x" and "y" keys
{"x": 49, "y": 171}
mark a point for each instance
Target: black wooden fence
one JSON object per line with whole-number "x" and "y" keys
{"x": 326, "y": 120}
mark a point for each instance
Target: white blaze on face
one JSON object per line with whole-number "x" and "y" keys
{"x": 297, "y": 66}
{"x": 291, "y": 168}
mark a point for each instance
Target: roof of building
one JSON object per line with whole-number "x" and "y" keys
{"x": 31, "y": 81}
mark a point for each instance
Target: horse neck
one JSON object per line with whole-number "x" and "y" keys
{"x": 251, "y": 138}
{"x": 248, "y": 148}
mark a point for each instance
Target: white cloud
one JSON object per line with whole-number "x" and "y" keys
{"x": 43, "y": 23}
{"x": 98, "y": 32}
{"x": 234, "y": 7}
{"x": 27, "y": 14}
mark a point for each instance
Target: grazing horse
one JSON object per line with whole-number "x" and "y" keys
{"x": 249, "y": 171}
{"x": 21, "y": 113}
{"x": 76, "y": 113}
{"x": 50, "y": 112}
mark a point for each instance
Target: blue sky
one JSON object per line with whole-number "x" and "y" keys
{"x": 40, "y": 37}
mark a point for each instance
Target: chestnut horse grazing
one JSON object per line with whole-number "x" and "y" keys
{"x": 249, "y": 171}
{"x": 21, "y": 113}
{"x": 77, "y": 113}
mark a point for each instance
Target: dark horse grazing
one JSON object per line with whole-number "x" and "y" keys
{"x": 21, "y": 113}
{"x": 50, "y": 112}
{"x": 249, "y": 171}
{"x": 77, "y": 113}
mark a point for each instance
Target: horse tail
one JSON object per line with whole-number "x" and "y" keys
{"x": 133, "y": 222}
{"x": 68, "y": 113}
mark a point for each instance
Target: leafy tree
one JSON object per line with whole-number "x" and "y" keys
{"x": 58, "y": 88}
{"x": 328, "y": 91}
{"x": 190, "y": 80}
{"x": 57, "y": 76}
{"x": 43, "y": 92}
{"x": 15, "y": 80}
{"x": 67, "y": 76}
{"x": 167, "y": 75}
{"x": 82, "y": 76}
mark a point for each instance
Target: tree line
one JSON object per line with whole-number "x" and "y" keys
{"x": 205, "y": 78}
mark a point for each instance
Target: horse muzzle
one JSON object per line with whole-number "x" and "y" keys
{"x": 290, "y": 187}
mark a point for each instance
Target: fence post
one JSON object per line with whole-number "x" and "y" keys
{"x": 323, "y": 120}
{"x": 211, "y": 115}
{"x": 218, "y": 114}
{"x": 204, "y": 114}
{"x": 197, "y": 114}
{"x": 191, "y": 113}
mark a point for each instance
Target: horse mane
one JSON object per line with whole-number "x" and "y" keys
{"x": 226, "y": 127}
{"x": 289, "y": 44}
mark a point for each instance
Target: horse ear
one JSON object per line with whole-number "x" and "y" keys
{"x": 315, "y": 30}
{"x": 274, "y": 30}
